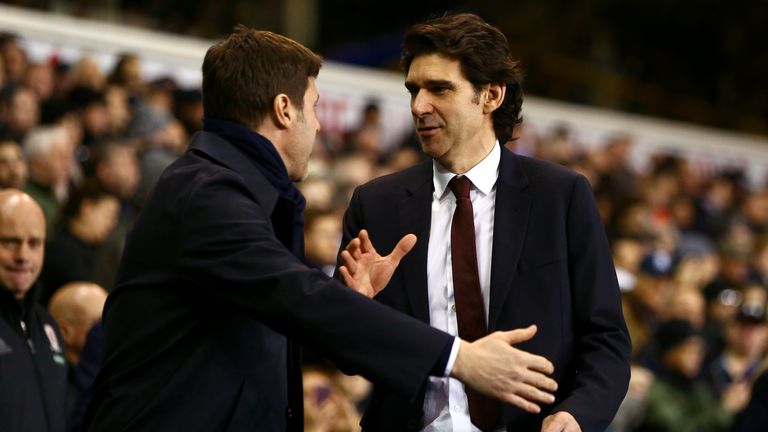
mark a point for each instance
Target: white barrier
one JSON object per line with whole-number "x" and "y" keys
{"x": 345, "y": 90}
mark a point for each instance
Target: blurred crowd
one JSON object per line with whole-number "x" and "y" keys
{"x": 690, "y": 247}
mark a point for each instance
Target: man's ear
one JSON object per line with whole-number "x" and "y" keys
{"x": 282, "y": 111}
{"x": 494, "y": 96}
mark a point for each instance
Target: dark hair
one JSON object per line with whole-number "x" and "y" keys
{"x": 244, "y": 73}
{"x": 483, "y": 53}
{"x": 91, "y": 191}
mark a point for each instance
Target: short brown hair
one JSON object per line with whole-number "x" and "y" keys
{"x": 483, "y": 53}
{"x": 244, "y": 73}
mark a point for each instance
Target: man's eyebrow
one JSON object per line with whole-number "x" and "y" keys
{"x": 431, "y": 83}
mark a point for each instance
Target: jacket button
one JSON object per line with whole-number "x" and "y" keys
{"x": 288, "y": 413}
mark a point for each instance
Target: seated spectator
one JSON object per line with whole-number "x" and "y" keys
{"x": 19, "y": 111}
{"x": 13, "y": 166}
{"x": 33, "y": 370}
{"x": 87, "y": 219}
{"x": 746, "y": 340}
{"x": 322, "y": 236}
{"x": 678, "y": 401}
{"x": 76, "y": 307}
{"x": 162, "y": 141}
{"x": 326, "y": 408}
{"x": 50, "y": 155}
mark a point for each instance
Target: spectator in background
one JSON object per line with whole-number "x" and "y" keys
{"x": 188, "y": 108}
{"x": 87, "y": 73}
{"x": 162, "y": 140}
{"x": 758, "y": 270}
{"x": 118, "y": 110}
{"x": 91, "y": 108}
{"x": 677, "y": 400}
{"x": 127, "y": 73}
{"x": 19, "y": 111}
{"x": 14, "y": 58}
{"x": 33, "y": 372}
{"x": 50, "y": 155}
{"x": 326, "y": 407}
{"x": 322, "y": 237}
{"x": 13, "y": 165}
{"x": 40, "y": 78}
{"x": 746, "y": 340}
{"x": 366, "y": 139}
{"x": 76, "y": 307}
{"x": 319, "y": 191}
{"x": 86, "y": 220}
{"x": 116, "y": 167}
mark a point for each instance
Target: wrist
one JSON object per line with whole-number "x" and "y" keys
{"x": 457, "y": 371}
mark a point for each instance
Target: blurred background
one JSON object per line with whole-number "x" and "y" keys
{"x": 698, "y": 61}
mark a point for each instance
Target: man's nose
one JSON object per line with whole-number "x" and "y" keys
{"x": 23, "y": 253}
{"x": 421, "y": 104}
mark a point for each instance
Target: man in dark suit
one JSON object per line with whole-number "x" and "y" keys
{"x": 211, "y": 292}
{"x": 534, "y": 250}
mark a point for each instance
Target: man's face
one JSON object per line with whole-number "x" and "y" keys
{"x": 13, "y": 167}
{"x": 22, "y": 236}
{"x": 307, "y": 127}
{"x": 25, "y": 113}
{"x": 447, "y": 112}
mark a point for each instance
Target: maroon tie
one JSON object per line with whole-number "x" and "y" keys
{"x": 484, "y": 411}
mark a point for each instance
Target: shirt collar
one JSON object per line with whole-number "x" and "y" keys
{"x": 483, "y": 175}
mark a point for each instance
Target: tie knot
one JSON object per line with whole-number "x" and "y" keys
{"x": 460, "y": 186}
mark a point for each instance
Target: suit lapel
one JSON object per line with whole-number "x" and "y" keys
{"x": 415, "y": 217}
{"x": 513, "y": 205}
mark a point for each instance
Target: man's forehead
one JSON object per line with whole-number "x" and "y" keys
{"x": 430, "y": 67}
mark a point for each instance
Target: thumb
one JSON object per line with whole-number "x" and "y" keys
{"x": 402, "y": 248}
{"x": 519, "y": 335}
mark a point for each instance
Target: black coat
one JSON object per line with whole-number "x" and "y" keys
{"x": 33, "y": 369}
{"x": 551, "y": 266}
{"x": 206, "y": 295}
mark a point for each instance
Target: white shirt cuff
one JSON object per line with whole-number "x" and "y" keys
{"x": 452, "y": 357}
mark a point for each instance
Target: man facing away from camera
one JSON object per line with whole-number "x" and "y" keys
{"x": 212, "y": 294}
{"x": 505, "y": 243}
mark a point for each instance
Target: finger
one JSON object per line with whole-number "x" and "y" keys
{"x": 539, "y": 364}
{"x": 521, "y": 403}
{"x": 519, "y": 335}
{"x": 533, "y": 394}
{"x": 346, "y": 277}
{"x": 541, "y": 381}
{"x": 365, "y": 242}
{"x": 350, "y": 263}
{"x": 354, "y": 248}
{"x": 402, "y": 248}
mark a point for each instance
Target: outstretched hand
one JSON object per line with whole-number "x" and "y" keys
{"x": 492, "y": 365}
{"x": 366, "y": 271}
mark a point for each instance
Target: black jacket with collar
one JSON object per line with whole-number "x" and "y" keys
{"x": 197, "y": 328}
{"x": 33, "y": 368}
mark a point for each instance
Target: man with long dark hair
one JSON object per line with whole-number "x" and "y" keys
{"x": 505, "y": 243}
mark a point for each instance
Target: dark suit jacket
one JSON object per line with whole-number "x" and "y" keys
{"x": 195, "y": 331}
{"x": 551, "y": 266}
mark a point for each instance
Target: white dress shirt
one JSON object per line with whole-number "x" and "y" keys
{"x": 445, "y": 404}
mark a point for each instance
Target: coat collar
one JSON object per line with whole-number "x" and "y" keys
{"x": 219, "y": 150}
